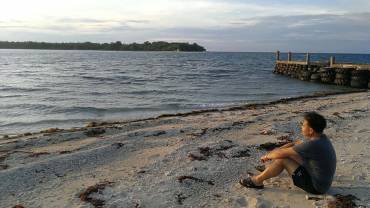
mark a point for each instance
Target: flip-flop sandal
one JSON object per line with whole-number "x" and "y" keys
{"x": 249, "y": 183}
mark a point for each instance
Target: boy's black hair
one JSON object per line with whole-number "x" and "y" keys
{"x": 316, "y": 121}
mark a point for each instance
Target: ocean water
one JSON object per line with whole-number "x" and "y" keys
{"x": 42, "y": 89}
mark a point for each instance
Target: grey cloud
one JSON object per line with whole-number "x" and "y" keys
{"x": 323, "y": 33}
{"x": 82, "y": 20}
{"x": 99, "y": 21}
{"x": 347, "y": 32}
{"x": 138, "y": 21}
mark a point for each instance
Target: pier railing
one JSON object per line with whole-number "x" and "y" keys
{"x": 329, "y": 63}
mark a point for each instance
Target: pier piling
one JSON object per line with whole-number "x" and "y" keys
{"x": 328, "y": 72}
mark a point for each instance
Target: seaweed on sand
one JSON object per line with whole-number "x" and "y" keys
{"x": 94, "y": 132}
{"x": 182, "y": 178}
{"x": 85, "y": 195}
{"x": 343, "y": 201}
{"x": 193, "y": 157}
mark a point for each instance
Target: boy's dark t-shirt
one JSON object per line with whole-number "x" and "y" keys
{"x": 319, "y": 160}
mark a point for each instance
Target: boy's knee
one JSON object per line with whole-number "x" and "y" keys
{"x": 279, "y": 161}
{"x": 284, "y": 161}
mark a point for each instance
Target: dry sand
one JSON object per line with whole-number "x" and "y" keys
{"x": 191, "y": 160}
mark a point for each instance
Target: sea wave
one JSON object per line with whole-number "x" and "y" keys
{"x": 100, "y": 85}
{"x": 22, "y": 89}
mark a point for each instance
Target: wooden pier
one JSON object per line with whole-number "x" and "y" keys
{"x": 328, "y": 72}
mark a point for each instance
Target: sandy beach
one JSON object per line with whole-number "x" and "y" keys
{"x": 187, "y": 160}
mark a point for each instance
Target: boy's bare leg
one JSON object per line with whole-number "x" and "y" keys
{"x": 274, "y": 169}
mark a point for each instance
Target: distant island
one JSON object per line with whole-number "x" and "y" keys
{"x": 114, "y": 46}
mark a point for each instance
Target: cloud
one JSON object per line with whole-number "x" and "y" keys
{"x": 217, "y": 24}
{"x": 82, "y": 20}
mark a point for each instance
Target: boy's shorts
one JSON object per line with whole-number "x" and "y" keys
{"x": 302, "y": 179}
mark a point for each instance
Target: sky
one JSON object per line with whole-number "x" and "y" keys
{"x": 219, "y": 25}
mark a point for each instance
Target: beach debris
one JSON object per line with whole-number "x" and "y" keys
{"x": 240, "y": 123}
{"x": 285, "y": 138}
{"x": 69, "y": 151}
{"x": 3, "y": 166}
{"x": 266, "y": 132}
{"x": 297, "y": 112}
{"x": 221, "y": 155}
{"x": 65, "y": 152}
{"x": 316, "y": 198}
{"x": 260, "y": 168}
{"x": 193, "y": 157}
{"x": 159, "y": 133}
{"x": 94, "y": 132}
{"x": 219, "y": 129}
{"x": 268, "y": 146}
{"x": 51, "y": 130}
{"x": 27, "y": 134}
{"x": 337, "y": 114}
{"x": 206, "y": 151}
{"x": 18, "y": 206}
{"x": 343, "y": 201}
{"x": 223, "y": 147}
{"x": 358, "y": 177}
{"x": 242, "y": 153}
{"x": 181, "y": 179}
{"x": 215, "y": 150}
{"x": 199, "y": 133}
{"x": 85, "y": 195}
{"x": 5, "y": 136}
{"x": 217, "y": 195}
{"x": 137, "y": 205}
{"x": 3, "y": 157}
{"x": 37, "y": 154}
{"x": 118, "y": 145}
{"x": 92, "y": 124}
{"x": 180, "y": 197}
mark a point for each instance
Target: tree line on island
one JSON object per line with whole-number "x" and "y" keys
{"x": 114, "y": 46}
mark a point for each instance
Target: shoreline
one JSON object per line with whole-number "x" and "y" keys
{"x": 100, "y": 123}
{"x": 183, "y": 161}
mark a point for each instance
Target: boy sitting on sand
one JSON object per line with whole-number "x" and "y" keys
{"x": 311, "y": 163}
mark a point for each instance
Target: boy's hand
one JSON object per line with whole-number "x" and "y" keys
{"x": 265, "y": 158}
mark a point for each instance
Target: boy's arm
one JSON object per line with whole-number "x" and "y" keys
{"x": 291, "y": 144}
{"x": 298, "y": 141}
{"x": 288, "y": 152}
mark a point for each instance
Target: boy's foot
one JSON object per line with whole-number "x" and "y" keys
{"x": 249, "y": 183}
